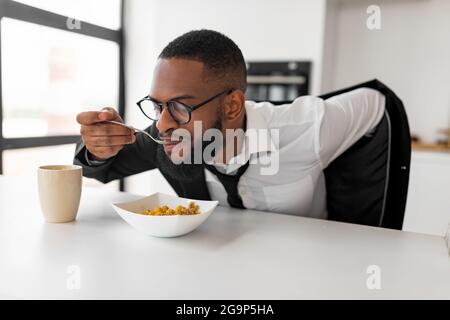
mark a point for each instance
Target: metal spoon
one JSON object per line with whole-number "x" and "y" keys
{"x": 138, "y": 130}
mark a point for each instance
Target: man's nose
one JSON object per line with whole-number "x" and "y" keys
{"x": 166, "y": 122}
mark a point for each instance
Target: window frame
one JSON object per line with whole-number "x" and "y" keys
{"x": 26, "y": 13}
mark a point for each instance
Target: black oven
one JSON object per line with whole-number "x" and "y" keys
{"x": 277, "y": 80}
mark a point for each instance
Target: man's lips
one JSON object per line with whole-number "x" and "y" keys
{"x": 169, "y": 140}
{"x": 169, "y": 144}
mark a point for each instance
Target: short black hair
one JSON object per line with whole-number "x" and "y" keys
{"x": 219, "y": 54}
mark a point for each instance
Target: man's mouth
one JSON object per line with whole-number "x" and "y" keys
{"x": 169, "y": 144}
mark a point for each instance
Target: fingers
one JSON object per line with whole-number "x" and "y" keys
{"x": 93, "y": 117}
{"x": 112, "y": 110}
{"x": 104, "y": 153}
{"x": 110, "y": 114}
{"x": 88, "y": 118}
{"x": 105, "y": 129}
{"x": 110, "y": 141}
{"x": 104, "y": 140}
{"x": 105, "y": 147}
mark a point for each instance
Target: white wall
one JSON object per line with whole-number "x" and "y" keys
{"x": 411, "y": 54}
{"x": 269, "y": 29}
{"x": 329, "y": 43}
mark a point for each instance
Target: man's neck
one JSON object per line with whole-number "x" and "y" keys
{"x": 232, "y": 142}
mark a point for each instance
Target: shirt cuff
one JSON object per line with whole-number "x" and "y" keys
{"x": 92, "y": 162}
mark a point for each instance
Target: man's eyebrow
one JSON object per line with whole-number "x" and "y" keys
{"x": 181, "y": 97}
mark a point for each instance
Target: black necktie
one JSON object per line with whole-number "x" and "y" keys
{"x": 230, "y": 183}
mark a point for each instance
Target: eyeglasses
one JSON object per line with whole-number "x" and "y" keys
{"x": 178, "y": 110}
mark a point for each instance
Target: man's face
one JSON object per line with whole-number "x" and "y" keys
{"x": 174, "y": 78}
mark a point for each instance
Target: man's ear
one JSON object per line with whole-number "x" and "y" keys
{"x": 234, "y": 105}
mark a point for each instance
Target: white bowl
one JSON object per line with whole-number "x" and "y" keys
{"x": 163, "y": 226}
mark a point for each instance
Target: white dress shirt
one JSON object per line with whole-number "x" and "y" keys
{"x": 312, "y": 132}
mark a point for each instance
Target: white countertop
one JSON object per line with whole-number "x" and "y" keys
{"x": 235, "y": 254}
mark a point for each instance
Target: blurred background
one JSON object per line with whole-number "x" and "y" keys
{"x": 61, "y": 57}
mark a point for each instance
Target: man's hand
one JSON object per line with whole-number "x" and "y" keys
{"x": 103, "y": 140}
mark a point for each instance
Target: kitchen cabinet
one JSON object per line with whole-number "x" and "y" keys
{"x": 428, "y": 203}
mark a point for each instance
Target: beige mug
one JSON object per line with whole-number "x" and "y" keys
{"x": 59, "y": 192}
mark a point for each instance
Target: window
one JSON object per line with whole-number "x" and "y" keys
{"x": 50, "y": 71}
{"x": 105, "y": 13}
{"x": 50, "y": 75}
{"x": 24, "y": 161}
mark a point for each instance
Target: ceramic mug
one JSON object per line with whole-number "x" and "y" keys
{"x": 59, "y": 192}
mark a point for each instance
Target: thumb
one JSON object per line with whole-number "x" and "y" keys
{"x": 108, "y": 114}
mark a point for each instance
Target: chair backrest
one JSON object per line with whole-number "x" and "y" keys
{"x": 368, "y": 183}
{"x": 357, "y": 181}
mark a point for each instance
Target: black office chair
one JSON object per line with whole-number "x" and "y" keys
{"x": 368, "y": 183}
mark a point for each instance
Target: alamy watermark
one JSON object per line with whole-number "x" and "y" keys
{"x": 373, "y": 281}
{"x": 73, "y": 281}
{"x": 213, "y": 143}
{"x": 73, "y": 24}
{"x": 373, "y": 21}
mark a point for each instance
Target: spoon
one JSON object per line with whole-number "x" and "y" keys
{"x": 138, "y": 130}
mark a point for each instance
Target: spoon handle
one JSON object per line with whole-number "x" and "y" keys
{"x": 120, "y": 124}
{"x": 137, "y": 130}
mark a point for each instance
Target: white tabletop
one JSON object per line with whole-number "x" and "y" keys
{"x": 235, "y": 254}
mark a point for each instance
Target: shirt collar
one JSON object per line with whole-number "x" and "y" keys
{"x": 257, "y": 139}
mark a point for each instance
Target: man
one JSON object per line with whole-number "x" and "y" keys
{"x": 200, "y": 78}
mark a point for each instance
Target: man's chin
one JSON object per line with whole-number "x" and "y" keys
{"x": 181, "y": 171}
{"x": 176, "y": 157}
{"x": 168, "y": 153}
{"x": 168, "y": 148}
